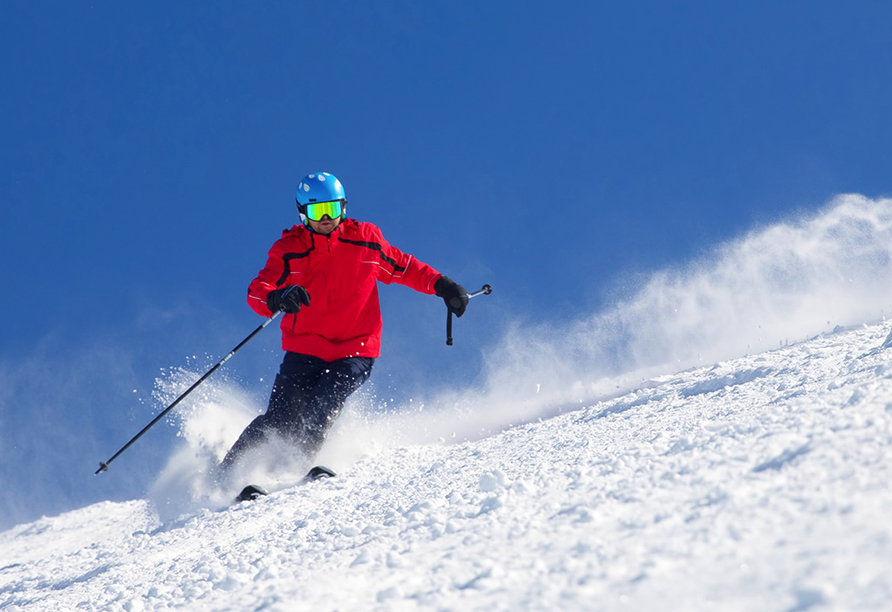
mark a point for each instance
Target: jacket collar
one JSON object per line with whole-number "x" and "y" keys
{"x": 296, "y": 230}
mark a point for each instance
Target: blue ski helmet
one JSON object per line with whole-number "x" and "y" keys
{"x": 319, "y": 187}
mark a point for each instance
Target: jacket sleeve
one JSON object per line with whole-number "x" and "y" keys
{"x": 404, "y": 269}
{"x": 267, "y": 280}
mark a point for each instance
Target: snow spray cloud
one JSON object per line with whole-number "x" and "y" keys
{"x": 778, "y": 284}
{"x": 75, "y": 396}
{"x": 52, "y": 433}
{"x": 208, "y": 421}
{"x": 775, "y": 285}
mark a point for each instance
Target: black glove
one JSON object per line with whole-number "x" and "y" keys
{"x": 289, "y": 299}
{"x": 455, "y": 296}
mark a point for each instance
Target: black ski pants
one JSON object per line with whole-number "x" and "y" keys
{"x": 307, "y": 397}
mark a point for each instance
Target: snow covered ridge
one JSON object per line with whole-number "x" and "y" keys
{"x": 759, "y": 483}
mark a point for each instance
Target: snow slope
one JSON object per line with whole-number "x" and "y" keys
{"x": 758, "y": 483}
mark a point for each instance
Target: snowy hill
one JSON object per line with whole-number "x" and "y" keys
{"x": 759, "y": 483}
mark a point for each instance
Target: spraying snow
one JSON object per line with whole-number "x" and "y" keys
{"x": 759, "y": 483}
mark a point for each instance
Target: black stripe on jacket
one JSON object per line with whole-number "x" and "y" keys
{"x": 287, "y": 257}
{"x": 375, "y": 247}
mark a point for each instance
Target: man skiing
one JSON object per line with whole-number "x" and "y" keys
{"x": 323, "y": 274}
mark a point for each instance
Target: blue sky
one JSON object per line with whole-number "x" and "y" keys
{"x": 556, "y": 150}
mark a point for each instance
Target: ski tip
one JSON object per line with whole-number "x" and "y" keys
{"x": 320, "y": 471}
{"x": 251, "y": 492}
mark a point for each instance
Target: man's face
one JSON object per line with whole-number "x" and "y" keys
{"x": 325, "y": 226}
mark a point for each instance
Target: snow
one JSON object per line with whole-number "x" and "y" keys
{"x": 716, "y": 438}
{"x": 755, "y": 483}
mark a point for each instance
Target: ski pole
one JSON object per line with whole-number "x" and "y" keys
{"x": 485, "y": 290}
{"x": 103, "y": 465}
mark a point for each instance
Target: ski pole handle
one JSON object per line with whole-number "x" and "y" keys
{"x": 485, "y": 290}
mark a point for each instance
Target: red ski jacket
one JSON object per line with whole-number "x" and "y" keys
{"x": 340, "y": 271}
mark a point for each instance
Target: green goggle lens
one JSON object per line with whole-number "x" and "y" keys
{"x": 317, "y": 210}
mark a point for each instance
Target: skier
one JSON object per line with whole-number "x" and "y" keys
{"x": 323, "y": 274}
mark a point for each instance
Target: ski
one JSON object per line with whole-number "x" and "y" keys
{"x": 252, "y": 492}
{"x": 317, "y": 472}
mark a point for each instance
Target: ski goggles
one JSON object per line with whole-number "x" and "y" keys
{"x": 315, "y": 211}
